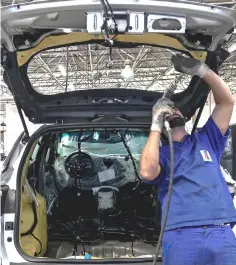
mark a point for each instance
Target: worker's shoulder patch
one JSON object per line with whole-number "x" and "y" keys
{"x": 206, "y": 156}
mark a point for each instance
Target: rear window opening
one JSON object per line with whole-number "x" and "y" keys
{"x": 82, "y": 197}
{"x": 94, "y": 66}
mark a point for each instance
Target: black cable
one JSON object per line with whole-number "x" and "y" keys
{"x": 198, "y": 116}
{"x": 132, "y": 248}
{"x": 40, "y": 243}
{"x": 86, "y": 138}
{"x": 114, "y": 19}
{"x": 79, "y": 148}
{"x": 83, "y": 247}
{"x": 131, "y": 157}
{"x": 167, "y": 127}
{"x": 75, "y": 252}
{"x": 106, "y": 4}
{"x": 109, "y": 6}
{"x": 71, "y": 237}
{"x": 105, "y": 8}
{"x": 106, "y": 15}
{"x": 32, "y": 228}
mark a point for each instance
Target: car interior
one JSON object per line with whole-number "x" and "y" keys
{"x": 82, "y": 193}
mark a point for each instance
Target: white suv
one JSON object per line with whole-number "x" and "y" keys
{"x": 72, "y": 191}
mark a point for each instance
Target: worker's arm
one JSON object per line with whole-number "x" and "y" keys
{"x": 223, "y": 97}
{"x": 224, "y": 101}
{"x": 149, "y": 162}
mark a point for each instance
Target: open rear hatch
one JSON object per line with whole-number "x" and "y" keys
{"x": 198, "y": 30}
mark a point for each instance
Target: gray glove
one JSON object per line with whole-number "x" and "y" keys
{"x": 189, "y": 66}
{"x": 164, "y": 106}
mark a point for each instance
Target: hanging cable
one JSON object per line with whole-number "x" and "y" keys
{"x": 168, "y": 129}
{"x": 109, "y": 24}
{"x": 131, "y": 157}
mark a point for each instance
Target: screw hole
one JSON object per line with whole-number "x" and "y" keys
{"x": 9, "y": 239}
{"x": 58, "y": 102}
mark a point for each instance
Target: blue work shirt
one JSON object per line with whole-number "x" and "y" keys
{"x": 200, "y": 195}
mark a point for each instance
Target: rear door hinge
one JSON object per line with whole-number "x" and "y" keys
{"x": 7, "y": 200}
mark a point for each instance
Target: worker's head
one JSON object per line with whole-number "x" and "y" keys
{"x": 177, "y": 119}
{"x": 177, "y": 124}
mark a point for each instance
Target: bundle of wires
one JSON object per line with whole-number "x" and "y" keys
{"x": 108, "y": 18}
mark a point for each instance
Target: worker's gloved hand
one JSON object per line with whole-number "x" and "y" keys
{"x": 189, "y": 66}
{"x": 164, "y": 106}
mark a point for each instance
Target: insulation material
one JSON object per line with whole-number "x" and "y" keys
{"x": 106, "y": 175}
{"x": 36, "y": 243}
{"x": 108, "y": 249}
{"x": 105, "y": 200}
{"x": 62, "y": 178}
{"x": 123, "y": 171}
{"x": 50, "y": 192}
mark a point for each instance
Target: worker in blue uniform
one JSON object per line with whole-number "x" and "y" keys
{"x": 198, "y": 230}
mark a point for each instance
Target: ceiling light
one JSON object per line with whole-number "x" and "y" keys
{"x": 71, "y": 87}
{"x": 67, "y": 30}
{"x": 127, "y": 72}
{"x": 62, "y": 69}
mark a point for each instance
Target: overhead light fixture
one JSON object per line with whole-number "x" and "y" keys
{"x": 127, "y": 73}
{"x": 62, "y": 69}
{"x": 71, "y": 87}
{"x": 67, "y": 30}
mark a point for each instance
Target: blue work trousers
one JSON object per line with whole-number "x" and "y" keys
{"x": 205, "y": 245}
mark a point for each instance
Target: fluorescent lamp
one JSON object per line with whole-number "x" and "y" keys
{"x": 127, "y": 72}
{"x": 71, "y": 87}
{"x": 62, "y": 69}
{"x": 67, "y": 30}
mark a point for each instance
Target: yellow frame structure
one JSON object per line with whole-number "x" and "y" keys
{"x": 161, "y": 40}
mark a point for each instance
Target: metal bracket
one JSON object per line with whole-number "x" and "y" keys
{"x": 137, "y": 22}
{"x": 98, "y": 118}
{"x": 94, "y": 22}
